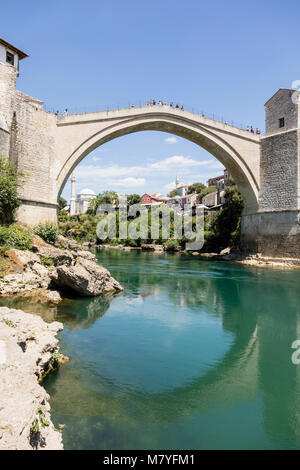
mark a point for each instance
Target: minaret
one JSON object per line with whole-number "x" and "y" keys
{"x": 176, "y": 182}
{"x": 73, "y": 196}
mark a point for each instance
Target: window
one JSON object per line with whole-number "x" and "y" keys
{"x": 9, "y": 58}
{"x": 281, "y": 122}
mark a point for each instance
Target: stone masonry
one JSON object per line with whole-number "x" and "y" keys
{"x": 47, "y": 148}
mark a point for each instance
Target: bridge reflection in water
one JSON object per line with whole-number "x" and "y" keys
{"x": 256, "y": 309}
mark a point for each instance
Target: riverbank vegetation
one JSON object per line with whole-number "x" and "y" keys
{"x": 221, "y": 229}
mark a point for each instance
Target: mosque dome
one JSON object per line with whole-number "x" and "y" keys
{"x": 87, "y": 192}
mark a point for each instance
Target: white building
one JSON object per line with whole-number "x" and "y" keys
{"x": 83, "y": 200}
{"x": 79, "y": 204}
{"x": 181, "y": 188}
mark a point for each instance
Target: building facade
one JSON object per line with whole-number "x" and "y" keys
{"x": 83, "y": 199}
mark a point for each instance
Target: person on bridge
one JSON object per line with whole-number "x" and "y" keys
{"x": 252, "y": 130}
{"x": 182, "y": 108}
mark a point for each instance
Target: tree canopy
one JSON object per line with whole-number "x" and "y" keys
{"x": 9, "y": 184}
{"x": 173, "y": 193}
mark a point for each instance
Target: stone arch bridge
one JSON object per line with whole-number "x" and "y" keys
{"x": 266, "y": 169}
{"x": 238, "y": 150}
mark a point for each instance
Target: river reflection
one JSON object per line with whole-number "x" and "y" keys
{"x": 192, "y": 354}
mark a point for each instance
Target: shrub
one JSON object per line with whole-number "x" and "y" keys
{"x": 46, "y": 261}
{"x": 172, "y": 245}
{"x": 9, "y": 183}
{"x": 15, "y": 236}
{"x": 47, "y": 231}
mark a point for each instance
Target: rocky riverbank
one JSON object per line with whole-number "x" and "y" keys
{"x": 226, "y": 255}
{"x": 28, "y": 350}
{"x": 47, "y": 271}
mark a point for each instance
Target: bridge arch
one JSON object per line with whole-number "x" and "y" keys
{"x": 236, "y": 149}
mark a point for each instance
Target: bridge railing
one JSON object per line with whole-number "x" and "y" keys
{"x": 73, "y": 110}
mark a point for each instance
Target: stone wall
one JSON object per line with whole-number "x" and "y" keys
{"x": 279, "y": 171}
{"x": 31, "y": 145}
{"x": 4, "y": 143}
{"x": 210, "y": 199}
{"x": 275, "y": 234}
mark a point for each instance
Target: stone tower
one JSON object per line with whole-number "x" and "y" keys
{"x": 10, "y": 58}
{"x": 27, "y": 134}
{"x": 274, "y": 230}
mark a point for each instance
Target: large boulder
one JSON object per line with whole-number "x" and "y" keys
{"x": 85, "y": 254}
{"x": 86, "y": 278}
{"x": 57, "y": 255}
{"x": 43, "y": 274}
{"x": 23, "y": 258}
{"x": 67, "y": 243}
{"x": 19, "y": 282}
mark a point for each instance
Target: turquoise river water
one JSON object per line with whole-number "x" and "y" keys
{"x": 192, "y": 355}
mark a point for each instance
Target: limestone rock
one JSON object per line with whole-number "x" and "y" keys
{"x": 152, "y": 247}
{"x": 86, "y": 255}
{"x": 38, "y": 241}
{"x": 52, "y": 296}
{"x": 67, "y": 243}
{"x": 23, "y": 258}
{"x": 226, "y": 251}
{"x": 19, "y": 282}
{"x": 27, "y": 345}
{"x": 86, "y": 278}
{"x": 43, "y": 274}
{"x": 56, "y": 254}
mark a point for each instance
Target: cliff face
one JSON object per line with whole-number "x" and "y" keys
{"x": 28, "y": 348}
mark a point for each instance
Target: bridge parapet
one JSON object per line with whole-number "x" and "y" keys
{"x": 155, "y": 110}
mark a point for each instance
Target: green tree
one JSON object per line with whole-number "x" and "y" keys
{"x": 223, "y": 229}
{"x": 106, "y": 197}
{"x": 196, "y": 188}
{"x": 62, "y": 202}
{"x": 10, "y": 180}
{"x": 133, "y": 199}
{"x": 207, "y": 190}
{"x": 173, "y": 193}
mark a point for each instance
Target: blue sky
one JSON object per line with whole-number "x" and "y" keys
{"x": 221, "y": 57}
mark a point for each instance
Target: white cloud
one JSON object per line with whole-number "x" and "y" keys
{"x": 96, "y": 159}
{"x": 156, "y": 173}
{"x": 177, "y": 161}
{"x": 129, "y": 182}
{"x": 175, "y": 164}
{"x": 171, "y": 140}
{"x": 170, "y": 186}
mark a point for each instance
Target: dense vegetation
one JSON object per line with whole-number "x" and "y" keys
{"x": 47, "y": 231}
{"x": 201, "y": 190}
{"x": 81, "y": 227}
{"x": 10, "y": 180}
{"x": 221, "y": 229}
{"x": 15, "y": 236}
